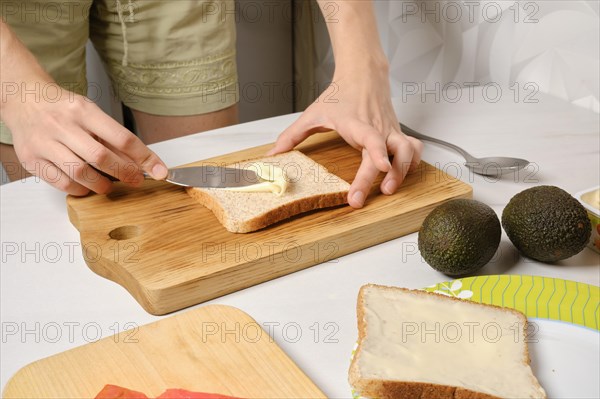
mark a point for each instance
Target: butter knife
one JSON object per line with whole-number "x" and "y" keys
{"x": 212, "y": 177}
{"x": 206, "y": 176}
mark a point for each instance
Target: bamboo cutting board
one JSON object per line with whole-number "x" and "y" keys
{"x": 213, "y": 349}
{"x": 170, "y": 252}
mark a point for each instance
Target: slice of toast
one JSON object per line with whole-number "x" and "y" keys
{"x": 417, "y": 344}
{"x": 310, "y": 186}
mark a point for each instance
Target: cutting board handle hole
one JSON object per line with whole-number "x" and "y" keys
{"x": 124, "y": 233}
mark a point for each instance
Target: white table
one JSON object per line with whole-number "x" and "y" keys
{"x": 46, "y": 288}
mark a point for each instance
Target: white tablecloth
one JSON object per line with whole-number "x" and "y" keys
{"x": 51, "y": 301}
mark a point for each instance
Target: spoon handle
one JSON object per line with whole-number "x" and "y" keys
{"x": 417, "y": 135}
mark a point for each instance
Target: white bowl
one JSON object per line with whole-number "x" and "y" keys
{"x": 590, "y": 199}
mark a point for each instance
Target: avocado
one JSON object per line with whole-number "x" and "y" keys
{"x": 546, "y": 223}
{"x": 459, "y": 237}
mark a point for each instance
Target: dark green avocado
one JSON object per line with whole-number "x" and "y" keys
{"x": 459, "y": 237}
{"x": 546, "y": 223}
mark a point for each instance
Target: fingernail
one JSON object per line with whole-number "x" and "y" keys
{"x": 159, "y": 171}
{"x": 358, "y": 197}
{"x": 389, "y": 187}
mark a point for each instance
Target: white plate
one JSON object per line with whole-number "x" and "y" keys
{"x": 566, "y": 359}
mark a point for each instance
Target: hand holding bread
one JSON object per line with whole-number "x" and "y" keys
{"x": 358, "y": 103}
{"x": 366, "y": 120}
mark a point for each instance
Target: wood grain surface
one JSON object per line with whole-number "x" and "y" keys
{"x": 170, "y": 252}
{"x": 214, "y": 349}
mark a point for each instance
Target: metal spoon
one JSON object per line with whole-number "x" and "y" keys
{"x": 488, "y": 166}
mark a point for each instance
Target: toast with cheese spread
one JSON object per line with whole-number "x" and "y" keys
{"x": 293, "y": 184}
{"x": 417, "y": 344}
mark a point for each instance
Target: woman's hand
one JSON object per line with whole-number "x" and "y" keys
{"x": 358, "y": 102}
{"x": 358, "y": 106}
{"x": 66, "y": 142}
{"x": 62, "y": 137}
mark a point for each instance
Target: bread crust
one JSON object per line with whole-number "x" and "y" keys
{"x": 385, "y": 389}
{"x": 272, "y": 216}
{"x": 393, "y": 389}
{"x": 318, "y": 198}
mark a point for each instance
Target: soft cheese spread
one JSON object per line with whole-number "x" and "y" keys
{"x": 422, "y": 339}
{"x": 592, "y": 198}
{"x": 273, "y": 179}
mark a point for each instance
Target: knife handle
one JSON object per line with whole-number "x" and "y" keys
{"x": 114, "y": 179}
{"x": 109, "y": 177}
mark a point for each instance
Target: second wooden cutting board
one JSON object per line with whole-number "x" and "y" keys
{"x": 214, "y": 349}
{"x": 170, "y": 252}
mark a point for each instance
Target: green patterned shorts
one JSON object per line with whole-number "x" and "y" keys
{"x": 163, "y": 57}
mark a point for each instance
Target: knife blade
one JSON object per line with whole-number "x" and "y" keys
{"x": 209, "y": 176}
{"x": 206, "y": 176}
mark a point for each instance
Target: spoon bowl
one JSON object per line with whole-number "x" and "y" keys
{"x": 495, "y": 166}
{"x": 487, "y": 166}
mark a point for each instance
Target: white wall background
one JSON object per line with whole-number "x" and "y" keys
{"x": 551, "y": 44}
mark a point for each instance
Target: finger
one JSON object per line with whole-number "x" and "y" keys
{"x": 418, "y": 150}
{"x": 403, "y": 155}
{"x": 296, "y": 133}
{"x": 79, "y": 171}
{"x": 374, "y": 141}
{"x": 103, "y": 158}
{"x": 57, "y": 178}
{"x": 128, "y": 143}
{"x": 131, "y": 167}
{"x": 365, "y": 176}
